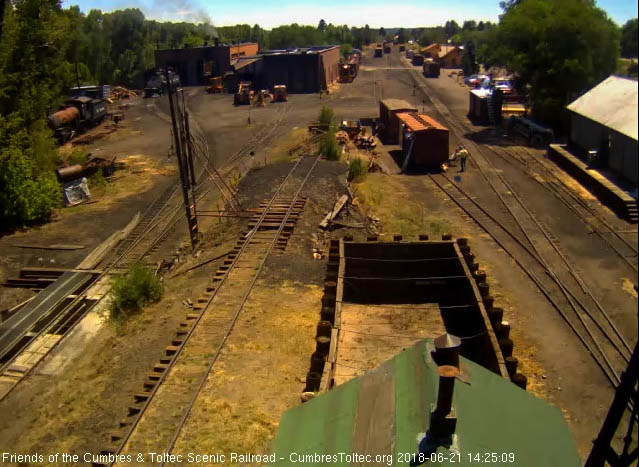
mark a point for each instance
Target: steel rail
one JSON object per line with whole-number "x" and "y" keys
{"x": 247, "y": 240}
{"x": 560, "y": 190}
{"x": 245, "y": 297}
{"x": 458, "y": 129}
{"x": 569, "y": 267}
{"x": 562, "y": 286}
{"x": 526, "y": 270}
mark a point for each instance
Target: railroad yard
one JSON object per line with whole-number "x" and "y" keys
{"x": 530, "y": 265}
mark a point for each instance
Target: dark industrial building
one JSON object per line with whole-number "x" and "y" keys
{"x": 302, "y": 70}
{"x": 604, "y": 120}
{"x": 195, "y": 64}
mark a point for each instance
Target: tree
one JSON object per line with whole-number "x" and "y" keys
{"x": 451, "y": 27}
{"x": 367, "y": 35}
{"x": 469, "y": 62}
{"x": 558, "y": 47}
{"x": 629, "y": 39}
{"x": 401, "y": 36}
{"x": 469, "y": 25}
{"x": 32, "y": 58}
{"x": 382, "y": 32}
{"x": 322, "y": 26}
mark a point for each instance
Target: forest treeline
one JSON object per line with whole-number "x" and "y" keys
{"x": 556, "y": 48}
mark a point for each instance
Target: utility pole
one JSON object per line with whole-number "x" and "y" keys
{"x": 180, "y": 152}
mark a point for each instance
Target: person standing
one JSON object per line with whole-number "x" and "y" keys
{"x": 463, "y": 155}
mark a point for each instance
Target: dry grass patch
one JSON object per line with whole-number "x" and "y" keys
{"x": 259, "y": 373}
{"x": 387, "y": 198}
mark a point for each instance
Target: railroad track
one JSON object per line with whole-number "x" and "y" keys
{"x": 164, "y": 213}
{"x": 155, "y": 224}
{"x": 502, "y": 213}
{"x": 521, "y": 158}
{"x": 160, "y": 411}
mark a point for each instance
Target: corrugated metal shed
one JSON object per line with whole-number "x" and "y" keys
{"x": 384, "y": 411}
{"x": 612, "y": 103}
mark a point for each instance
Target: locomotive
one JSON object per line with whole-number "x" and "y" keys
{"x": 76, "y": 115}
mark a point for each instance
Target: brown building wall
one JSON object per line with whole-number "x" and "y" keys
{"x": 330, "y": 61}
{"x": 451, "y": 60}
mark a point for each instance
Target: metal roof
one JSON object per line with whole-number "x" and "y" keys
{"x": 397, "y": 104}
{"x": 612, "y": 103}
{"x": 243, "y": 62}
{"x": 385, "y": 410}
{"x": 420, "y": 122}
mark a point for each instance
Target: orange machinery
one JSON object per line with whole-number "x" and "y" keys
{"x": 279, "y": 93}
{"x": 215, "y": 85}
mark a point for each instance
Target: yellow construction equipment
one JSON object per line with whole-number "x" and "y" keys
{"x": 261, "y": 97}
{"x": 244, "y": 95}
{"x": 215, "y": 85}
{"x": 279, "y": 93}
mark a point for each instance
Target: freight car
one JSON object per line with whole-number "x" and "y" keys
{"x": 77, "y": 114}
{"x": 431, "y": 68}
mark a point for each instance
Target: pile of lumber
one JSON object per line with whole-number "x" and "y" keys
{"x": 120, "y": 92}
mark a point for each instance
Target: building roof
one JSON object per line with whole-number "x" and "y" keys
{"x": 431, "y": 48}
{"x": 612, "y": 103}
{"x": 397, "y": 104}
{"x": 386, "y": 409}
{"x": 420, "y": 122}
{"x": 446, "y": 49}
{"x": 244, "y": 61}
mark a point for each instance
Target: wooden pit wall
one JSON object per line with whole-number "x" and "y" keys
{"x": 320, "y": 375}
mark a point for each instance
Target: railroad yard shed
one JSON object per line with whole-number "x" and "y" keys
{"x": 388, "y": 110}
{"x": 605, "y": 120}
{"x": 191, "y": 62}
{"x": 450, "y": 56}
{"x": 302, "y": 70}
{"x": 424, "y": 141}
{"x": 387, "y": 410}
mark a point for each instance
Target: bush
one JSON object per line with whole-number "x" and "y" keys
{"x": 132, "y": 291}
{"x": 77, "y": 156}
{"x": 328, "y": 146}
{"x": 326, "y": 116}
{"x": 345, "y": 49}
{"x": 28, "y": 194}
{"x": 356, "y": 169}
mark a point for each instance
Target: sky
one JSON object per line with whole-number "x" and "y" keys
{"x": 375, "y": 13}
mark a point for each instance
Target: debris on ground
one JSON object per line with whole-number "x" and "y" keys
{"x": 332, "y": 214}
{"x": 92, "y": 137}
{"x": 120, "y": 92}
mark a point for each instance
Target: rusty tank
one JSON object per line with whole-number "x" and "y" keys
{"x": 63, "y": 117}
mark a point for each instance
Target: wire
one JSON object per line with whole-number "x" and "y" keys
{"x": 404, "y": 278}
{"x": 403, "y": 260}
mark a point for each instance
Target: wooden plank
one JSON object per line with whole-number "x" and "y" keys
{"x": 55, "y": 246}
{"x": 97, "y": 255}
{"x": 337, "y": 208}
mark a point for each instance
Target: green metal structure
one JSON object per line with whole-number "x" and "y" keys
{"x": 381, "y": 416}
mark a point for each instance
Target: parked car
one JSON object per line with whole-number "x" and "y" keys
{"x": 475, "y": 80}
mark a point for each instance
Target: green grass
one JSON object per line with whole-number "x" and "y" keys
{"x": 132, "y": 291}
{"x": 386, "y": 198}
{"x": 356, "y": 169}
{"x": 328, "y": 146}
{"x": 77, "y": 156}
